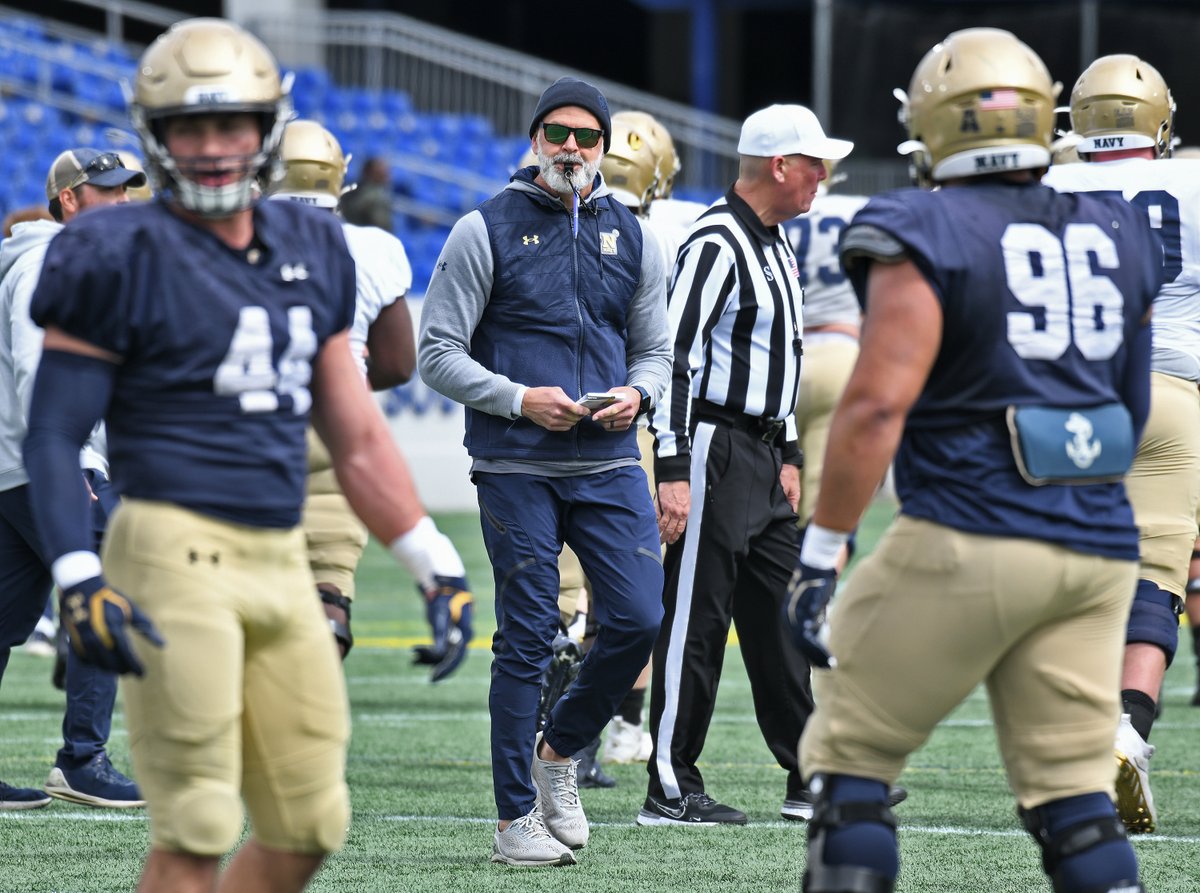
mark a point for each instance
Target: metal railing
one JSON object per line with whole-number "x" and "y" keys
{"x": 443, "y": 71}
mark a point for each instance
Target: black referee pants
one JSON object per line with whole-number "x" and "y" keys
{"x": 732, "y": 563}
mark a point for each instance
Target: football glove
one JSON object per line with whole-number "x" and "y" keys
{"x": 809, "y": 593}
{"x": 450, "y": 609}
{"x": 98, "y": 619}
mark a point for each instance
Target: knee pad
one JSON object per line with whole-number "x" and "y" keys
{"x": 1069, "y": 856}
{"x": 203, "y": 821}
{"x": 337, "y": 605}
{"x": 1154, "y": 618}
{"x": 828, "y": 817}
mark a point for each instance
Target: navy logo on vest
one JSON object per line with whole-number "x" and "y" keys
{"x": 608, "y": 242}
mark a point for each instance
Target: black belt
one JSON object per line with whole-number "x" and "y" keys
{"x": 762, "y": 428}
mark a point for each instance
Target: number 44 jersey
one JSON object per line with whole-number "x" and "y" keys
{"x": 210, "y": 397}
{"x": 1167, "y": 192}
{"x": 1044, "y": 297}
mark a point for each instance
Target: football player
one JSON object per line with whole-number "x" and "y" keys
{"x": 1004, "y": 363}
{"x": 205, "y": 325}
{"x": 381, "y": 341}
{"x": 831, "y": 325}
{"x": 1123, "y": 113}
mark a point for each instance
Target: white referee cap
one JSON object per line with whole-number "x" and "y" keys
{"x": 789, "y": 130}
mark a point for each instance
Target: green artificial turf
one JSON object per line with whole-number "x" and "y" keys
{"x": 421, "y": 785}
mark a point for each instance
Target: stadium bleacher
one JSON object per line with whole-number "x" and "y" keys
{"x": 57, "y": 91}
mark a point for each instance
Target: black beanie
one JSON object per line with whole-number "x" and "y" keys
{"x": 573, "y": 91}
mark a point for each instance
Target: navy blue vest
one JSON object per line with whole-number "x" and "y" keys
{"x": 556, "y": 316}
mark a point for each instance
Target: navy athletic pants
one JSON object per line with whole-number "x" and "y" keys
{"x": 25, "y": 585}
{"x": 609, "y": 520}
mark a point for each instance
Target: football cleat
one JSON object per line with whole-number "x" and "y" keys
{"x": 627, "y": 743}
{"x": 1135, "y": 804}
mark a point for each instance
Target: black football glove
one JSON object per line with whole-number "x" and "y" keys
{"x": 809, "y": 593}
{"x": 98, "y": 619}
{"x": 450, "y": 609}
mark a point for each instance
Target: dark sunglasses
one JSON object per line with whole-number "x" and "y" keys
{"x": 109, "y": 161}
{"x": 585, "y": 137}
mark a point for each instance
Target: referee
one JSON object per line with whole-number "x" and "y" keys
{"x": 725, "y": 431}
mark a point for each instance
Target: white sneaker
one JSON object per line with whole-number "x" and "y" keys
{"x": 558, "y": 798}
{"x": 526, "y": 841}
{"x": 627, "y": 743}
{"x": 1135, "y": 805}
{"x": 41, "y": 640}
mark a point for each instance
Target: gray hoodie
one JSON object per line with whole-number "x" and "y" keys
{"x": 21, "y": 257}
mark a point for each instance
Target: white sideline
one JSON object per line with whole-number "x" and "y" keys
{"x": 45, "y": 815}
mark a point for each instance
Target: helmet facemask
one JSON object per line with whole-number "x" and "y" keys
{"x": 210, "y": 67}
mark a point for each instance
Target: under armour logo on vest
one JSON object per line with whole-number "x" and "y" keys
{"x": 529, "y": 240}
{"x": 293, "y": 272}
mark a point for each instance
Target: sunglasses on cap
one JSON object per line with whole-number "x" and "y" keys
{"x": 585, "y": 137}
{"x": 108, "y": 161}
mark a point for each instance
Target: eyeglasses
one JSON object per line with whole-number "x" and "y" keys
{"x": 107, "y": 161}
{"x": 585, "y": 137}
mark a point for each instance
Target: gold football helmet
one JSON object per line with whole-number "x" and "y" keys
{"x": 1122, "y": 102}
{"x": 209, "y": 66}
{"x": 314, "y": 168}
{"x": 141, "y": 193}
{"x": 631, "y": 166}
{"x": 980, "y": 102}
{"x": 663, "y": 148}
{"x": 1065, "y": 149}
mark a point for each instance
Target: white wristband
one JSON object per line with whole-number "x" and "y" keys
{"x": 822, "y": 547}
{"x": 73, "y": 568}
{"x": 426, "y": 552}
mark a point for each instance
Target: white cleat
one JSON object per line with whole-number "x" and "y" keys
{"x": 626, "y": 742}
{"x": 1135, "y": 804}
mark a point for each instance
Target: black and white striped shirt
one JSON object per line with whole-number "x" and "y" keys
{"x": 734, "y": 310}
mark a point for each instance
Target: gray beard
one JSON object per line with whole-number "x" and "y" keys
{"x": 582, "y": 176}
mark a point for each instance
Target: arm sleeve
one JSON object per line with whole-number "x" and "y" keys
{"x": 454, "y": 303}
{"x": 70, "y": 394}
{"x": 705, "y": 278}
{"x": 648, "y": 348}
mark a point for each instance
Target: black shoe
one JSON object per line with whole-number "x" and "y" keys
{"x": 694, "y": 809}
{"x": 589, "y": 773}
{"x": 799, "y": 807}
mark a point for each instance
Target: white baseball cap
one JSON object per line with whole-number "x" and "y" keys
{"x": 789, "y": 130}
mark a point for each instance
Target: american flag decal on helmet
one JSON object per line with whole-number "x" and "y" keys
{"x": 997, "y": 100}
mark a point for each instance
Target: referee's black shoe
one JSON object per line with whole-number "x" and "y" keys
{"x": 799, "y": 807}
{"x": 694, "y": 809}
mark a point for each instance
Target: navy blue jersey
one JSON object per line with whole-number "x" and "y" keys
{"x": 211, "y": 399}
{"x": 1042, "y": 297}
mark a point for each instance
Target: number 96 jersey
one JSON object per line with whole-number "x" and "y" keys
{"x": 210, "y": 400}
{"x": 1043, "y": 297}
{"x": 1167, "y": 191}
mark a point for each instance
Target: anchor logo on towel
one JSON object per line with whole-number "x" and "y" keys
{"x": 1081, "y": 449}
